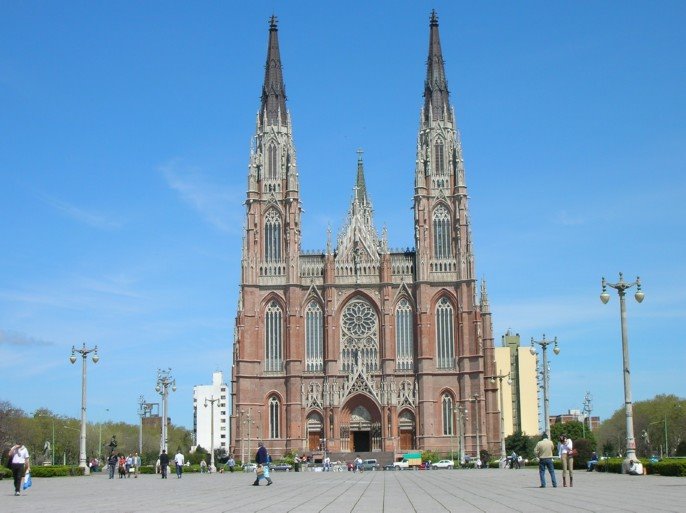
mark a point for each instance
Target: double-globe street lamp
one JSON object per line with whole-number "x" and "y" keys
{"x": 84, "y": 352}
{"x": 546, "y": 401}
{"x": 211, "y": 401}
{"x": 475, "y": 398}
{"x": 621, "y": 287}
{"x": 500, "y": 378}
{"x": 164, "y": 381}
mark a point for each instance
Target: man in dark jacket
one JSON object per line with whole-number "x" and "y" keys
{"x": 164, "y": 463}
{"x": 112, "y": 464}
{"x": 262, "y": 459}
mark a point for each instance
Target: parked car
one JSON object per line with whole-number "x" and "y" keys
{"x": 370, "y": 464}
{"x": 389, "y": 466}
{"x": 283, "y": 467}
{"x": 249, "y": 467}
{"x": 449, "y": 464}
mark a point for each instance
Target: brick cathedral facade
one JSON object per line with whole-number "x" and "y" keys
{"x": 359, "y": 348}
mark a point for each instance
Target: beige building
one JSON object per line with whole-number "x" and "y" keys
{"x": 520, "y": 392}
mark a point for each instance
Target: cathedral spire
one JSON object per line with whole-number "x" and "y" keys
{"x": 360, "y": 185}
{"x": 273, "y": 108}
{"x": 436, "y": 96}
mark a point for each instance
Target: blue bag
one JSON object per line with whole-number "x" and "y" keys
{"x": 27, "y": 481}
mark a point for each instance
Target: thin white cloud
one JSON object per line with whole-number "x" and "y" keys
{"x": 93, "y": 219}
{"x": 218, "y": 204}
{"x": 566, "y": 219}
{"x": 15, "y": 338}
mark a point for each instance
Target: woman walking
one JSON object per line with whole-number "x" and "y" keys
{"x": 20, "y": 465}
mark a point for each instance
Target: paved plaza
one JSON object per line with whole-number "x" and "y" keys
{"x": 425, "y": 491}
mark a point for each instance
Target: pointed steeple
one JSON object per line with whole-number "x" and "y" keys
{"x": 273, "y": 108}
{"x": 358, "y": 236}
{"x": 436, "y": 96}
{"x": 360, "y": 187}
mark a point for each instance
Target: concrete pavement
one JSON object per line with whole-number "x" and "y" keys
{"x": 421, "y": 491}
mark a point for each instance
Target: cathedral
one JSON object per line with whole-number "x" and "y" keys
{"x": 357, "y": 348}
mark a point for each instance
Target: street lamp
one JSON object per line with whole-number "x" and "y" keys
{"x": 475, "y": 398}
{"x": 461, "y": 412}
{"x": 587, "y": 409}
{"x": 546, "y": 402}
{"x": 144, "y": 410}
{"x": 84, "y": 354}
{"x": 164, "y": 381}
{"x": 211, "y": 400}
{"x": 621, "y": 286}
{"x": 500, "y": 378}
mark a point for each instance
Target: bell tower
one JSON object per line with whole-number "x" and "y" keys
{"x": 442, "y": 234}
{"x": 272, "y": 233}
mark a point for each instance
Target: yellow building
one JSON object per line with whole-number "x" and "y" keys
{"x": 520, "y": 392}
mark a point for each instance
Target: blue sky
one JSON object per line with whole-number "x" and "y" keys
{"x": 124, "y": 143}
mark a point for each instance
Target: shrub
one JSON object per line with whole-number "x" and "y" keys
{"x": 613, "y": 465}
{"x": 670, "y": 467}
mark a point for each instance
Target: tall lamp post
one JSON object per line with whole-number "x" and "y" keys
{"x": 144, "y": 410}
{"x": 500, "y": 378}
{"x": 461, "y": 413}
{"x": 164, "y": 381}
{"x": 621, "y": 287}
{"x": 587, "y": 409}
{"x": 475, "y": 398}
{"x": 546, "y": 401}
{"x": 84, "y": 352}
{"x": 211, "y": 401}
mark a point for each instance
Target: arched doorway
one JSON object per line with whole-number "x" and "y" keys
{"x": 361, "y": 425}
{"x": 315, "y": 428}
{"x": 406, "y": 430}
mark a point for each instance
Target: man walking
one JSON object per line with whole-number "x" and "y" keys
{"x": 179, "y": 460}
{"x": 112, "y": 463}
{"x": 262, "y": 460}
{"x": 19, "y": 459}
{"x": 164, "y": 463}
{"x": 544, "y": 452}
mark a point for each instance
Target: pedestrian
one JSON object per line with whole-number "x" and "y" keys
{"x": 129, "y": 465}
{"x": 164, "y": 463}
{"x": 544, "y": 452}
{"x": 262, "y": 460}
{"x": 112, "y": 464}
{"x": 564, "y": 449}
{"x": 357, "y": 464}
{"x": 231, "y": 463}
{"x": 136, "y": 464}
{"x": 179, "y": 460}
{"x": 635, "y": 468}
{"x": 19, "y": 458}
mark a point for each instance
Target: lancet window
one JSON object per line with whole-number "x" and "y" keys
{"x": 314, "y": 338}
{"x": 271, "y": 162}
{"x": 439, "y": 158}
{"x": 273, "y": 325}
{"x": 272, "y": 237}
{"x": 441, "y": 220}
{"x": 404, "y": 336}
{"x": 445, "y": 334}
{"x": 448, "y": 417}
{"x": 274, "y": 417}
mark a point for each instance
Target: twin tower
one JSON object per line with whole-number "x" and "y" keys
{"x": 358, "y": 348}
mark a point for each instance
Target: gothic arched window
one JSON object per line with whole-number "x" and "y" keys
{"x": 447, "y": 404}
{"x": 272, "y": 237}
{"x": 314, "y": 338}
{"x": 359, "y": 334}
{"x": 271, "y": 162}
{"x": 441, "y": 219}
{"x": 445, "y": 335}
{"x": 439, "y": 158}
{"x": 273, "y": 327}
{"x": 274, "y": 417}
{"x": 404, "y": 339}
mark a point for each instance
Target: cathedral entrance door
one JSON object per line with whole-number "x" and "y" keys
{"x": 361, "y": 441}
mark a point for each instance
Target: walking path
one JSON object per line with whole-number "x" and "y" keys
{"x": 336, "y": 492}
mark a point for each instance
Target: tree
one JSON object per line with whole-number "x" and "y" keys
{"x": 520, "y": 443}
{"x": 650, "y": 419}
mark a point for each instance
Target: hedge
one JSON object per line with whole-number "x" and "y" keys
{"x": 668, "y": 468}
{"x": 49, "y": 471}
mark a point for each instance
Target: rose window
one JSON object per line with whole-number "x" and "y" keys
{"x": 359, "y": 334}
